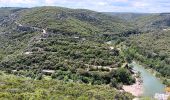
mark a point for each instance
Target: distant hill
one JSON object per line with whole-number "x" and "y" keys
{"x": 54, "y": 19}
{"x": 127, "y": 16}
{"x": 5, "y": 11}
{"x": 154, "y": 21}
{"x": 73, "y": 20}
{"x": 145, "y": 21}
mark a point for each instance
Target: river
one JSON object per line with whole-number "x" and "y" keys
{"x": 151, "y": 84}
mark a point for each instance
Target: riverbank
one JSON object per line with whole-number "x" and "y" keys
{"x": 164, "y": 80}
{"x": 149, "y": 89}
{"x": 146, "y": 86}
{"x": 135, "y": 89}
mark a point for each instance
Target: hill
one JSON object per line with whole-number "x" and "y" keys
{"x": 154, "y": 22}
{"x": 152, "y": 49}
{"x": 149, "y": 43}
{"x": 153, "y": 43}
{"x": 127, "y": 16}
{"x": 64, "y": 44}
{"x": 73, "y": 20}
{"x": 70, "y": 46}
{"x": 145, "y": 21}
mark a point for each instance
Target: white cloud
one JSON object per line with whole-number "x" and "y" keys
{"x": 98, "y": 5}
{"x": 18, "y": 1}
{"x": 49, "y": 2}
{"x": 140, "y": 4}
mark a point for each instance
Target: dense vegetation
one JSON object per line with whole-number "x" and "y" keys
{"x": 63, "y": 44}
{"x": 73, "y": 20}
{"x": 69, "y": 46}
{"x": 153, "y": 50}
{"x": 20, "y": 88}
{"x": 153, "y": 22}
{"x": 72, "y": 57}
{"x": 127, "y": 16}
{"x": 151, "y": 45}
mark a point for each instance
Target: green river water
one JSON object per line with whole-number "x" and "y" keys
{"x": 151, "y": 84}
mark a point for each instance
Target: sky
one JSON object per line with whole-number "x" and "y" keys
{"x": 144, "y": 6}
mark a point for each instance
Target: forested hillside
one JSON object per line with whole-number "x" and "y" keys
{"x": 73, "y": 20}
{"x": 149, "y": 43}
{"x": 127, "y": 16}
{"x": 152, "y": 46}
{"x": 68, "y": 49}
{"x": 63, "y": 44}
{"x": 154, "y": 49}
{"x": 154, "y": 22}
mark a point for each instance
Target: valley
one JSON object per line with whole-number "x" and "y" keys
{"x": 62, "y": 53}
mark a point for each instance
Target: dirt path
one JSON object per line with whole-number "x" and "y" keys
{"x": 35, "y": 38}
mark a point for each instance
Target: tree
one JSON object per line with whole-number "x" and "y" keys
{"x": 113, "y": 82}
{"x": 39, "y": 76}
{"x": 123, "y": 75}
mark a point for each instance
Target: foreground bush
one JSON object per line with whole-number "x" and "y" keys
{"x": 19, "y": 88}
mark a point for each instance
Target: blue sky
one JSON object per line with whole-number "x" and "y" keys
{"x": 148, "y": 6}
